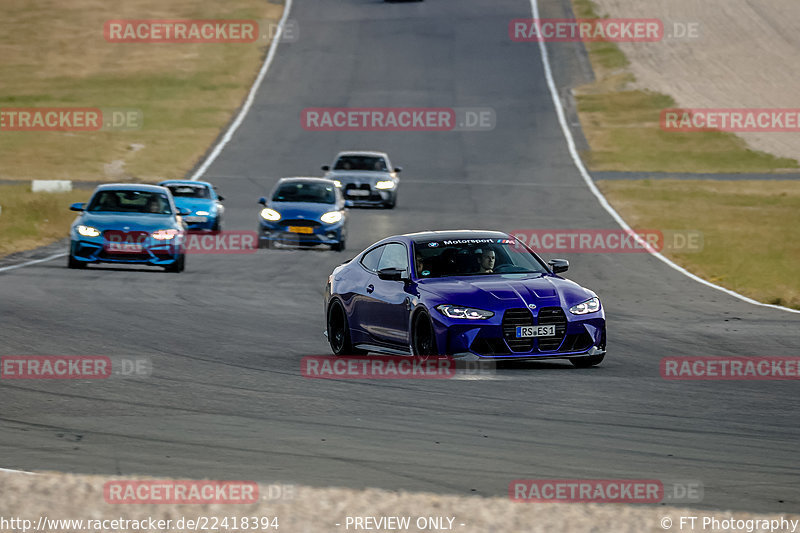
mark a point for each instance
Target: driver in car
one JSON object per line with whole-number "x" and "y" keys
{"x": 487, "y": 261}
{"x": 154, "y": 205}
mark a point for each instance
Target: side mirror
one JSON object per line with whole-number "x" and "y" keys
{"x": 262, "y": 201}
{"x": 348, "y": 203}
{"x": 220, "y": 197}
{"x": 77, "y": 207}
{"x": 398, "y": 169}
{"x": 392, "y": 274}
{"x": 325, "y": 167}
{"x": 558, "y": 265}
{"x": 182, "y": 211}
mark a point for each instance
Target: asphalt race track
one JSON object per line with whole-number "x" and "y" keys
{"x": 226, "y": 399}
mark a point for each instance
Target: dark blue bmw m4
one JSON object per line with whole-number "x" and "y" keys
{"x": 474, "y": 295}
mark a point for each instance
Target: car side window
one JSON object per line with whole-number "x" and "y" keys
{"x": 372, "y": 258}
{"x": 395, "y": 256}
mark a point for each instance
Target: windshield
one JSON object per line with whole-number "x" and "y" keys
{"x": 130, "y": 202}
{"x": 319, "y": 193}
{"x": 189, "y": 191}
{"x": 473, "y": 257}
{"x": 360, "y": 162}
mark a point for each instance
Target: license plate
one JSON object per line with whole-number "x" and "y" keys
{"x": 129, "y": 247}
{"x": 535, "y": 331}
{"x": 358, "y": 192}
{"x": 300, "y": 229}
{"x": 195, "y": 219}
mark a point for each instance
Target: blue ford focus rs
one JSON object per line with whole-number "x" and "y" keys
{"x": 303, "y": 212}
{"x": 473, "y": 295}
{"x": 128, "y": 223}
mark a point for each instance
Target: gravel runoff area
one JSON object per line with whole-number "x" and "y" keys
{"x": 747, "y": 55}
{"x": 307, "y": 510}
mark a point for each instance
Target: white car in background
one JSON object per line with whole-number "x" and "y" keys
{"x": 366, "y": 178}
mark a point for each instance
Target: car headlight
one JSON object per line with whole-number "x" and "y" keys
{"x": 337, "y": 183}
{"x": 164, "y": 234}
{"x": 388, "y": 184}
{"x": 589, "y": 306}
{"x": 88, "y": 231}
{"x": 331, "y": 217}
{"x": 458, "y": 311}
{"x": 202, "y": 213}
{"x": 270, "y": 214}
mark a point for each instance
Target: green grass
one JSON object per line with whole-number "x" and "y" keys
{"x": 53, "y": 54}
{"x": 622, "y": 126}
{"x": 605, "y": 55}
{"x": 751, "y": 229}
{"x": 32, "y": 219}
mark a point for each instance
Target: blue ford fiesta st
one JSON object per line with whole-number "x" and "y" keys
{"x": 201, "y": 199}
{"x": 128, "y": 223}
{"x": 473, "y": 295}
{"x": 303, "y": 212}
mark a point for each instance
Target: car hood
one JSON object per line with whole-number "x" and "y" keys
{"x": 501, "y": 291}
{"x": 349, "y": 176}
{"x": 308, "y": 210}
{"x": 134, "y": 221}
{"x": 196, "y": 204}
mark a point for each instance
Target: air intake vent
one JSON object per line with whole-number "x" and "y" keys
{"x": 511, "y": 319}
{"x": 552, "y": 315}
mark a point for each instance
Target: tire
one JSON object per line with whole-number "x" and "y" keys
{"x": 391, "y": 203}
{"x": 339, "y": 331}
{"x": 217, "y": 225}
{"x": 178, "y": 266}
{"x": 74, "y": 263}
{"x": 423, "y": 341}
{"x": 586, "y": 362}
{"x": 338, "y": 247}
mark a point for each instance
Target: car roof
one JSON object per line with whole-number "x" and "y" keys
{"x": 186, "y": 182}
{"x": 131, "y": 187}
{"x": 362, "y": 152}
{"x": 307, "y": 179}
{"x": 454, "y": 235}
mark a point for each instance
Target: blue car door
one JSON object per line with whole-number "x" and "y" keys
{"x": 387, "y": 304}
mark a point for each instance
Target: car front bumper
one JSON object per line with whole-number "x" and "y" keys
{"x": 376, "y": 197}
{"x": 493, "y": 339}
{"x": 322, "y": 234}
{"x": 200, "y": 223}
{"x": 90, "y": 251}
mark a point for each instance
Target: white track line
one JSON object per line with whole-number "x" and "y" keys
{"x": 273, "y": 47}
{"x": 573, "y": 151}
{"x": 10, "y": 471}
{"x": 35, "y": 261}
